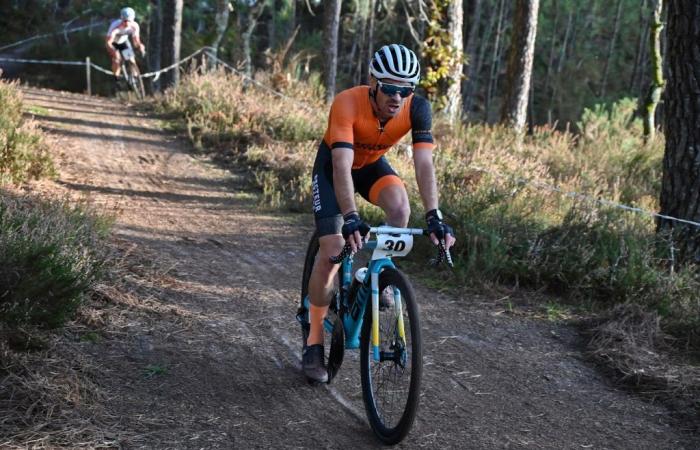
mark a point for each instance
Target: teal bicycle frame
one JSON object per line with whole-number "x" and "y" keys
{"x": 390, "y": 242}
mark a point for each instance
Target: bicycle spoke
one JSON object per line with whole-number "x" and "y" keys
{"x": 391, "y": 377}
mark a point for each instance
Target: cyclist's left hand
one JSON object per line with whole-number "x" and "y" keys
{"x": 439, "y": 229}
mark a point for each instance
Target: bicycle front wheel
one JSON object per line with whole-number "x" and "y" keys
{"x": 391, "y": 385}
{"x": 136, "y": 81}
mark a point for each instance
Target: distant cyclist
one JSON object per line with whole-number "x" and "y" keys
{"x": 364, "y": 123}
{"x": 118, "y": 36}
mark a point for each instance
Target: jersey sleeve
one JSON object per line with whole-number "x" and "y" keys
{"x": 421, "y": 124}
{"x": 340, "y": 122}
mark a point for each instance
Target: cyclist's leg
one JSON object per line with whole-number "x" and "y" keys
{"x": 321, "y": 285}
{"x": 393, "y": 199}
{"x": 380, "y": 185}
{"x": 328, "y": 224}
{"x": 116, "y": 59}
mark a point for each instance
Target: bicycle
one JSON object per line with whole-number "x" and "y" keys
{"x": 388, "y": 337}
{"x": 130, "y": 71}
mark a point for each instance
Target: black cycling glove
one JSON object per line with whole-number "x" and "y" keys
{"x": 352, "y": 223}
{"x": 436, "y": 225}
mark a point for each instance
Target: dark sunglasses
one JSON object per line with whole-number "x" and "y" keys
{"x": 392, "y": 89}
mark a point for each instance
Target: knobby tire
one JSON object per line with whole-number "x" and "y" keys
{"x": 135, "y": 80}
{"x": 391, "y": 433}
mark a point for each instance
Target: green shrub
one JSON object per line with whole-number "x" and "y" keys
{"x": 50, "y": 254}
{"x": 23, "y": 154}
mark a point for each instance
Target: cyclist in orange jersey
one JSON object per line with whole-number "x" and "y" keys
{"x": 364, "y": 123}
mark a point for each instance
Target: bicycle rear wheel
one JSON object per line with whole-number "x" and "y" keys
{"x": 390, "y": 386}
{"x": 309, "y": 260}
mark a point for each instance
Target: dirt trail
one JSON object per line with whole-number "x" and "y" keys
{"x": 207, "y": 355}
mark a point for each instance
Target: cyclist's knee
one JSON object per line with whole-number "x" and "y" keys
{"x": 330, "y": 245}
{"x": 398, "y": 214}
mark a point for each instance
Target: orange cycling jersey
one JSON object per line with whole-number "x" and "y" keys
{"x": 353, "y": 124}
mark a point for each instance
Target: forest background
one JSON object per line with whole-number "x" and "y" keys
{"x": 586, "y": 54}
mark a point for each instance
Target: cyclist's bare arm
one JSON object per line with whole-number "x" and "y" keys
{"x": 425, "y": 177}
{"x": 427, "y": 185}
{"x": 136, "y": 37}
{"x": 109, "y": 40}
{"x": 344, "y": 188}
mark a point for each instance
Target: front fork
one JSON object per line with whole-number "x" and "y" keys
{"x": 375, "y": 318}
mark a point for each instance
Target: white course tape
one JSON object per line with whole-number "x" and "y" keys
{"x": 257, "y": 83}
{"x": 100, "y": 69}
{"x": 41, "y": 36}
{"x": 44, "y": 61}
{"x": 157, "y": 73}
{"x": 599, "y": 201}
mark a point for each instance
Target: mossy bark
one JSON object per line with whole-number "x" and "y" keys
{"x": 656, "y": 87}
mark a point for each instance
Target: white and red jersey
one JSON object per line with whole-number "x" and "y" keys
{"x": 120, "y": 30}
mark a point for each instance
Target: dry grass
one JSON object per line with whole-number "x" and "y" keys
{"x": 631, "y": 344}
{"x": 50, "y": 399}
{"x": 51, "y": 391}
{"x": 23, "y": 153}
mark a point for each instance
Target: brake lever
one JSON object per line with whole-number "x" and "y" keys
{"x": 443, "y": 255}
{"x": 347, "y": 251}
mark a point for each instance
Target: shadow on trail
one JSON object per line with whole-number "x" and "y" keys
{"x": 105, "y": 137}
{"x": 86, "y": 111}
{"x": 94, "y": 124}
{"x": 69, "y": 99}
{"x": 184, "y": 198}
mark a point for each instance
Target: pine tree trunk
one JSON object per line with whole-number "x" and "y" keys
{"x": 331, "y": 23}
{"x": 470, "y": 52}
{"x": 357, "y": 53}
{"x": 552, "y": 51}
{"x": 561, "y": 61}
{"x": 370, "y": 35}
{"x": 657, "y": 79}
{"x": 221, "y": 22}
{"x": 155, "y": 38}
{"x": 251, "y": 21}
{"x": 643, "y": 39}
{"x": 680, "y": 189}
{"x": 455, "y": 14}
{"x": 495, "y": 61}
{"x": 272, "y": 25}
{"x": 481, "y": 57}
{"x": 522, "y": 51}
{"x": 172, "y": 28}
{"x": 611, "y": 49}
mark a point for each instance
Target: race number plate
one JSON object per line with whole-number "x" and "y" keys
{"x": 392, "y": 245}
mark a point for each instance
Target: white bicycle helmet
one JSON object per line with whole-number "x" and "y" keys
{"x": 395, "y": 62}
{"x": 127, "y": 13}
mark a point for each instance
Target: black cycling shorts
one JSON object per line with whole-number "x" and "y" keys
{"x": 327, "y": 214}
{"x": 120, "y": 47}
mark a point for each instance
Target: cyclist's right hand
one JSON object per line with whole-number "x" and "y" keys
{"x": 354, "y": 230}
{"x": 439, "y": 230}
